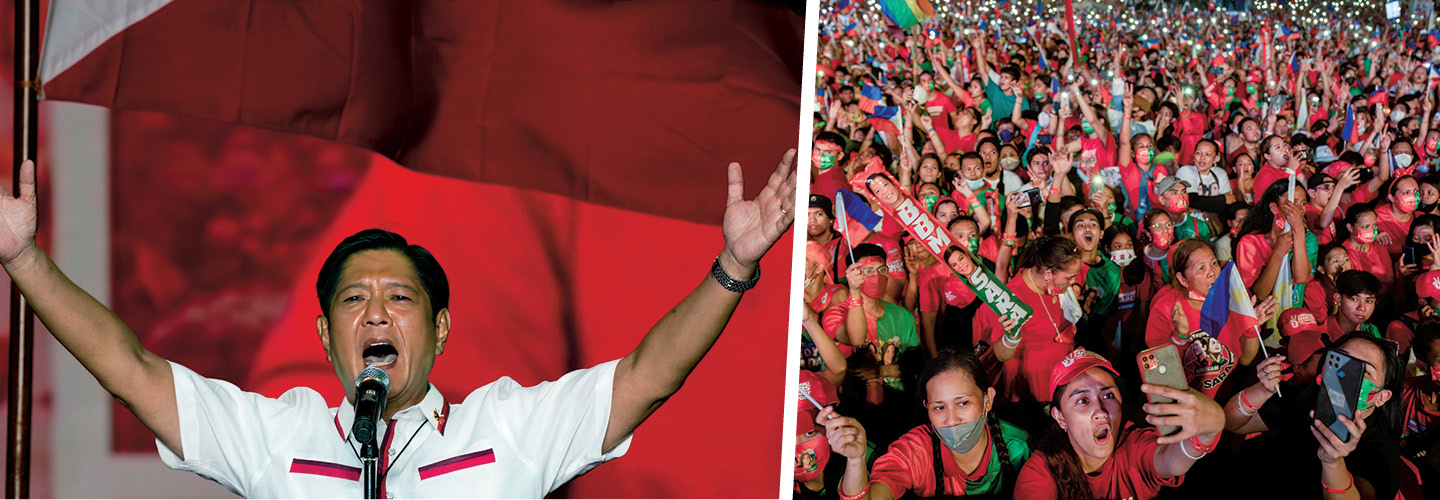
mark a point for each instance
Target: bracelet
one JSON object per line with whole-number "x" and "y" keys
{"x": 1244, "y": 401}
{"x": 1005, "y": 339}
{"x": 853, "y": 302}
{"x": 1335, "y": 491}
{"x": 1193, "y": 457}
{"x": 840, "y": 490}
{"x": 733, "y": 284}
{"x": 1204, "y": 448}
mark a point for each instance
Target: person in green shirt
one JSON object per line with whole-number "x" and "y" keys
{"x": 886, "y": 328}
{"x": 1002, "y": 88}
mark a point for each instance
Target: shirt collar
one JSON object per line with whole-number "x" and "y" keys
{"x": 434, "y": 408}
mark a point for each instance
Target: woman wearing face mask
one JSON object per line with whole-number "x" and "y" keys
{"x": 1393, "y": 218}
{"x": 1305, "y": 451}
{"x": 1272, "y": 233}
{"x": 1365, "y": 254}
{"x": 1133, "y": 291}
{"x": 1048, "y": 269}
{"x": 1175, "y": 318}
{"x": 963, "y": 450}
{"x": 1429, "y": 195}
{"x": 973, "y": 193}
{"x": 1093, "y": 452}
{"x": 1157, "y": 234}
{"x": 1136, "y": 171}
{"x": 818, "y": 472}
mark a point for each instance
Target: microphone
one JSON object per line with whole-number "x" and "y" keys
{"x": 372, "y": 386}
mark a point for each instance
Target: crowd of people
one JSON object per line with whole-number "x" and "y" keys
{"x": 1113, "y": 177}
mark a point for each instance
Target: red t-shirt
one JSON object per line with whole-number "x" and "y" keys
{"x": 1129, "y": 473}
{"x": 932, "y": 285}
{"x": 908, "y": 467}
{"x": 826, "y": 299}
{"x": 1266, "y": 176}
{"x": 1045, "y": 338}
{"x": 1191, "y": 128}
{"x": 1130, "y": 177}
{"x": 830, "y": 181}
{"x": 1251, "y": 255}
{"x": 1397, "y": 229}
{"x": 1094, "y": 155}
{"x": 1418, "y": 418}
{"x": 940, "y": 107}
{"x": 1374, "y": 261}
{"x": 1323, "y": 235}
{"x": 956, "y": 143}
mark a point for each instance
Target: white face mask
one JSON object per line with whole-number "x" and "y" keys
{"x": 1009, "y": 163}
{"x": 1396, "y": 116}
{"x": 1403, "y": 160}
{"x": 975, "y": 184}
{"x": 1123, "y": 257}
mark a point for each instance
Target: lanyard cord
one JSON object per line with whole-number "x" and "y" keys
{"x": 386, "y": 472}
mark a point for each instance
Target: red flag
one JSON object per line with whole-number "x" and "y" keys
{"x": 473, "y": 90}
{"x": 1070, "y": 29}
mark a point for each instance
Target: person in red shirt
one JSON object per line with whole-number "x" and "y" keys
{"x": 1395, "y": 216}
{"x": 1047, "y": 270}
{"x": 1365, "y": 253}
{"x": 1093, "y": 452}
{"x": 812, "y": 445}
{"x": 977, "y": 453}
{"x": 1324, "y": 207}
{"x": 1157, "y": 233}
{"x": 827, "y": 172}
{"x": 1273, "y": 230}
{"x": 939, "y": 106}
{"x": 1334, "y": 259}
{"x": 1421, "y": 403}
{"x": 1276, "y": 163}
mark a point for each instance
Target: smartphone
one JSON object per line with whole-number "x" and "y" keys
{"x": 1161, "y": 366}
{"x": 1339, "y": 391}
{"x": 1408, "y": 255}
{"x": 1032, "y": 198}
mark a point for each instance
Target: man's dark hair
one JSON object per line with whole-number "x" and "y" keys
{"x": 862, "y": 251}
{"x": 1352, "y": 283}
{"x": 1011, "y": 70}
{"x": 432, "y": 276}
{"x": 832, "y": 138}
{"x": 1232, "y": 210}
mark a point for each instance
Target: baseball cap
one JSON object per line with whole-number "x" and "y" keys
{"x": 1324, "y": 154}
{"x": 1335, "y": 168}
{"x": 1428, "y": 285}
{"x": 1169, "y": 183}
{"x": 820, "y": 389}
{"x": 1319, "y": 179}
{"x": 1300, "y": 346}
{"x": 1076, "y": 363}
{"x": 823, "y": 202}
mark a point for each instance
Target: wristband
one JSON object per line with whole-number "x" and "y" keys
{"x": 1204, "y": 448}
{"x": 1244, "y": 401}
{"x": 853, "y": 302}
{"x": 1193, "y": 457}
{"x": 1335, "y": 491}
{"x": 840, "y": 490}
{"x": 1005, "y": 339}
{"x": 733, "y": 284}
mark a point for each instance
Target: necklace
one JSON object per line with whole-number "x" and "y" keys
{"x": 1044, "y": 306}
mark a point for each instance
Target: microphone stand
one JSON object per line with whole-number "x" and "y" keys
{"x": 369, "y": 476}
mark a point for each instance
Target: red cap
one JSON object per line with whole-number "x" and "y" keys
{"x": 817, "y": 387}
{"x": 1076, "y": 363}
{"x": 1334, "y": 168}
{"x": 1300, "y": 346}
{"x": 1298, "y": 321}
{"x": 1428, "y": 285}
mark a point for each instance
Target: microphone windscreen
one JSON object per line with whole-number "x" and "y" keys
{"x": 373, "y": 373}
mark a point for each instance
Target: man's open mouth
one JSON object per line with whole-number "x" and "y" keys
{"x": 380, "y": 354}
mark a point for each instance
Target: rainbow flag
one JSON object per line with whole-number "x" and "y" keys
{"x": 907, "y": 13}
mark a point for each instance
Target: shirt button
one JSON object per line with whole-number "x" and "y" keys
{"x": 389, "y": 495}
{"x": 393, "y": 452}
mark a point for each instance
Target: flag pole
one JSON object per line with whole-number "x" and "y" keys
{"x": 22, "y": 318}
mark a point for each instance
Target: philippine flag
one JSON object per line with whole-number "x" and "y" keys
{"x": 1227, "y": 306}
{"x": 870, "y": 98}
{"x": 1348, "y": 132}
{"x": 886, "y": 119}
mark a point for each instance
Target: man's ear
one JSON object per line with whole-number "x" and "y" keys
{"x": 442, "y": 330}
{"x": 322, "y": 327}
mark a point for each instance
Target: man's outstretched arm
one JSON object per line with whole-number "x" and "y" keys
{"x": 94, "y": 335}
{"x": 669, "y": 352}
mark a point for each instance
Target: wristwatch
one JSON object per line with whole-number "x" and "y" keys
{"x": 733, "y": 284}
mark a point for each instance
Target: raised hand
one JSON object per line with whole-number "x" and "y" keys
{"x": 751, "y": 227}
{"x": 846, "y": 435}
{"x": 1332, "y": 449}
{"x": 1271, "y": 372}
{"x": 1266, "y": 309}
{"x": 18, "y": 217}
{"x": 1195, "y": 413}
